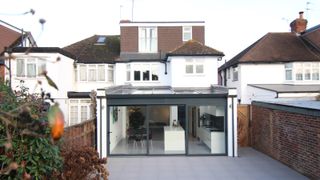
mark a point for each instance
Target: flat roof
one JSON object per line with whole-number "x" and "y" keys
{"x": 164, "y": 90}
{"x": 301, "y": 103}
{"x": 288, "y": 88}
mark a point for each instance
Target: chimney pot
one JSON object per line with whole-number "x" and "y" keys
{"x": 301, "y": 15}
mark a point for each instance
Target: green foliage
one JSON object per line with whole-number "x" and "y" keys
{"x": 26, "y": 148}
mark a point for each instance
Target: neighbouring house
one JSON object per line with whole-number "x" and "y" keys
{"x": 94, "y": 68}
{"x": 279, "y": 65}
{"x": 166, "y": 99}
{"x": 29, "y": 64}
{"x": 10, "y": 37}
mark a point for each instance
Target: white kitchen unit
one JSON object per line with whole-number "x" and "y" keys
{"x": 174, "y": 139}
{"x": 215, "y": 140}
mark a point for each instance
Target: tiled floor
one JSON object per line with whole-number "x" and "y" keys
{"x": 250, "y": 165}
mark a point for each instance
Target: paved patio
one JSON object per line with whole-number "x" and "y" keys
{"x": 250, "y": 165}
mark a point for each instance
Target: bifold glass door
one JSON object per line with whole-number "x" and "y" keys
{"x": 128, "y": 130}
{"x": 168, "y": 129}
{"x": 207, "y": 130}
{"x": 139, "y": 130}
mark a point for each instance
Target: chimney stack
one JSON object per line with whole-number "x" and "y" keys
{"x": 299, "y": 25}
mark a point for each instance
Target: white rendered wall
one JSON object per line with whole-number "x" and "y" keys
{"x": 102, "y": 127}
{"x": 259, "y": 74}
{"x": 116, "y": 127}
{"x": 254, "y": 93}
{"x": 180, "y": 79}
{"x": 255, "y": 74}
{"x": 61, "y": 72}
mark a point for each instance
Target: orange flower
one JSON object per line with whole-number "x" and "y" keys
{"x": 56, "y": 121}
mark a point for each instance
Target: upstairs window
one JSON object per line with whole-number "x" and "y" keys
{"x": 288, "y": 71}
{"x": 186, "y": 33}
{"x": 302, "y": 71}
{"x": 235, "y": 74}
{"x": 95, "y": 72}
{"x": 193, "y": 66}
{"x": 30, "y": 68}
{"x": 315, "y": 71}
{"x": 148, "y": 41}
{"x": 110, "y": 73}
{"x": 143, "y": 72}
{"x": 299, "y": 71}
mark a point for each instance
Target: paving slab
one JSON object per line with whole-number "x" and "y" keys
{"x": 250, "y": 165}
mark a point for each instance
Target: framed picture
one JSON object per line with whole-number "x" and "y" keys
{"x": 114, "y": 114}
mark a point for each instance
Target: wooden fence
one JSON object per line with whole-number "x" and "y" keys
{"x": 82, "y": 134}
{"x": 244, "y": 125}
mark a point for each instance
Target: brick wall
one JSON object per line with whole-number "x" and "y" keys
{"x": 169, "y": 38}
{"x": 1, "y": 73}
{"x": 291, "y": 138}
{"x": 129, "y": 39}
{"x": 80, "y": 134}
{"x": 198, "y": 34}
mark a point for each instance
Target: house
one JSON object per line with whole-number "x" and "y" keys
{"x": 11, "y": 36}
{"x": 165, "y": 99}
{"x": 157, "y": 87}
{"x": 279, "y": 65}
{"x": 28, "y": 65}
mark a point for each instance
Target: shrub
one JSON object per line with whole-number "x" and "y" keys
{"x": 26, "y": 148}
{"x": 82, "y": 163}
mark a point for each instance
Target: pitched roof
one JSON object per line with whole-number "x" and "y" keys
{"x": 194, "y": 48}
{"x": 312, "y": 35}
{"x": 7, "y": 37}
{"x": 43, "y": 50}
{"x": 274, "y": 48}
{"x": 96, "y": 49}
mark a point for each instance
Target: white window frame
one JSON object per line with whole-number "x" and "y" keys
{"x": 153, "y": 69}
{"x": 186, "y": 33}
{"x": 39, "y": 64}
{"x": 307, "y": 71}
{"x": 235, "y": 73}
{"x": 110, "y": 73}
{"x": 147, "y": 42}
{"x": 194, "y": 63}
{"x": 84, "y": 76}
{"x": 288, "y": 68}
{"x": 79, "y": 104}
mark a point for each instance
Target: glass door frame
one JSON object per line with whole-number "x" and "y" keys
{"x": 186, "y": 102}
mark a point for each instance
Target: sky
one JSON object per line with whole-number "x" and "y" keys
{"x": 231, "y": 25}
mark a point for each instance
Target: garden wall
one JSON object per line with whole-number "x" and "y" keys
{"x": 288, "y": 134}
{"x": 82, "y": 134}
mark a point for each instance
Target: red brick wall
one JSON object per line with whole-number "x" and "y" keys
{"x": 1, "y": 73}
{"x": 198, "y": 34}
{"x": 80, "y": 135}
{"x": 293, "y": 139}
{"x": 129, "y": 39}
{"x": 169, "y": 38}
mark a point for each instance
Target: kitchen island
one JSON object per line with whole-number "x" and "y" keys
{"x": 174, "y": 139}
{"x": 214, "y": 139}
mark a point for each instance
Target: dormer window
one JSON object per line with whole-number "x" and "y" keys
{"x": 148, "y": 40}
{"x": 187, "y": 33}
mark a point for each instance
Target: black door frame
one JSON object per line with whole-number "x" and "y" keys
{"x": 142, "y": 100}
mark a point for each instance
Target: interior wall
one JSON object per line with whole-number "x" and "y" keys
{"x": 115, "y": 126}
